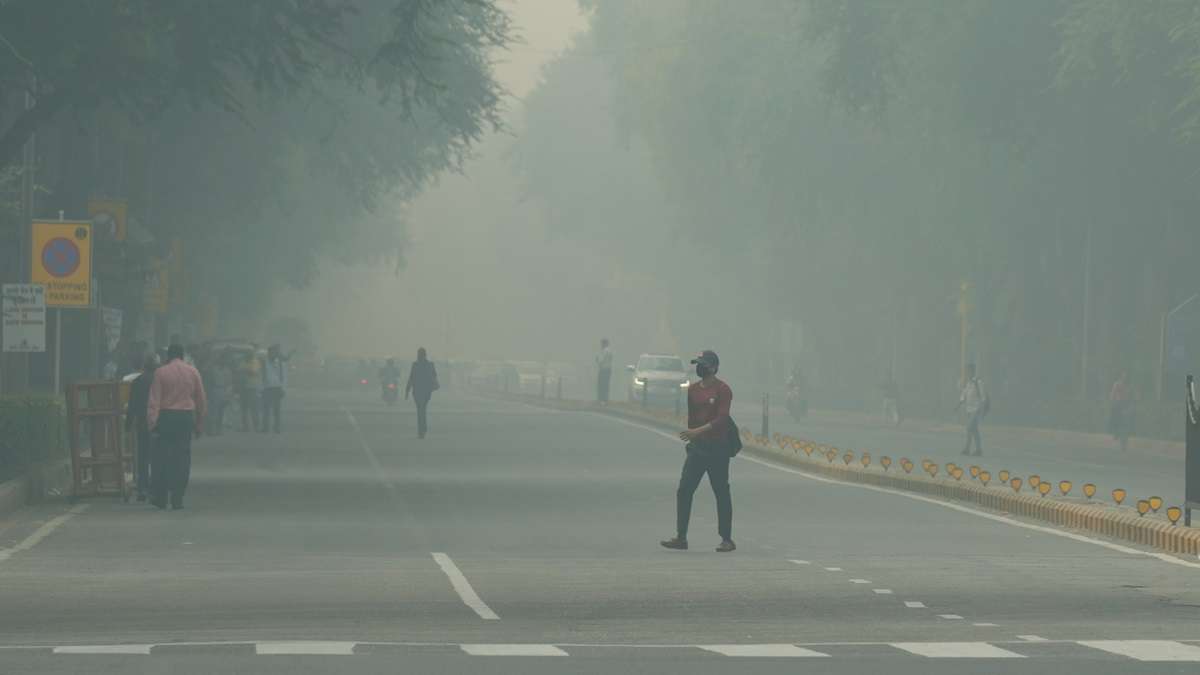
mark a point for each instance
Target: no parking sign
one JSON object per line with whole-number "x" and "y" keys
{"x": 62, "y": 262}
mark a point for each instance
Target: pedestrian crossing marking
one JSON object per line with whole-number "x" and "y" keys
{"x": 1147, "y": 650}
{"x": 957, "y": 650}
{"x": 513, "y": 650}
{"x": 763, "y": 651}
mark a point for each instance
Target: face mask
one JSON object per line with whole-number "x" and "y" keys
{"x": 702, "y": 370}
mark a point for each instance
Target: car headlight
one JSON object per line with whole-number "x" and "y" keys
{"x": 639, "y": 382}
{"x": 685, "y": 384}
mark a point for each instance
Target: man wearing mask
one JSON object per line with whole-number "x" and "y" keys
{"x": 274, "y": 381}
{"x": 708, "y": 451}
{"x": 175, "y": 412}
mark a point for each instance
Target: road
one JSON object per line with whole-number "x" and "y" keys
{"x": 520, "y": 540}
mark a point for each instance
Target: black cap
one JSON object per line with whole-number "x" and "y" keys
{"x": 709, "y": 358}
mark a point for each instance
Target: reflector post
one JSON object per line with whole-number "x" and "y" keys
{"x": 1174, "y": 513}
{"x": 1004, "y": 476}
{"x": 1155, "y": 503}
{"x": 1034, "y": 480}
{"x": 985, "y": 477}
{"x": 1089, "y": 490}
{"x": 1143, "y": 507}
{"x": 885, "y": 462}
{"x": 1016, "y": 484}
{"x": 1064, "y": 486}
{"x": 1044, "y": 488}
{"x": 1118, "y": 496}
{"x": 975, "y": 471}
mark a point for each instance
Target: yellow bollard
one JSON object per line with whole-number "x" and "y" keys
{"x": 1064, "y": 486}
{"x": 1174, "y": 513}
{"x": 1155, "y": 503}
{"x": 1118, "y": 496}
{"x": 1143, "y": 507}
{"x": 1044, "y": 488}
{"x": 1089, "y": 490}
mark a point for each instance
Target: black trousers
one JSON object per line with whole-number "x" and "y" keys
{"x": 172, "y": 465}
{"x": 422, "y": 420}
{"x": 272, "y": 400}
{"x": 694, "y": 468}
{"x": 145, "y": 451}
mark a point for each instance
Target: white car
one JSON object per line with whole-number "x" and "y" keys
{"x": 658, "y": 379}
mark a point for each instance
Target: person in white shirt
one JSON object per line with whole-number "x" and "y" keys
{"x": 974, "y": 403}
{"x": 604, "y": 361}
{"x": 274, "y": 374}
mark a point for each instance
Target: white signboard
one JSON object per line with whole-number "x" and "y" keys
{"x": 24, "y": 317}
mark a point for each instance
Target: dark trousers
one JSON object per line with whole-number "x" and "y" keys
{"x": 973, "y": 433}
{"x": 145, "y": 450}
{"x": 602, "y": 384}
{"x": 694, "y": 468}
{"x": 422, "y": 420}
{"x": 272, "y": 400}
{"x": 172, "y": 464}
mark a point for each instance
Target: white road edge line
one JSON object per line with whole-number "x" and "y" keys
{"x": 463, "y": 587}
{"x": 374, "y": 461}
{"x": 42, "y": 532}
{"x": 1165, "y": 557}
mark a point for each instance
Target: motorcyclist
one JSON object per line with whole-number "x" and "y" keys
{"x": 389, "y": 379}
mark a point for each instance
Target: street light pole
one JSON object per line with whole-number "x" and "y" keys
{"x": 1162, "y": 343}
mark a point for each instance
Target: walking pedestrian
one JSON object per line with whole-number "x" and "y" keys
{"x": 422, "y": 382}
{"x": 975, "y": 404}
{"x": 137, "y": 424}
{"x": 274, "y": 379}
{"x": 214, "y": 372}
{"x": 708, "y": 451}
{"x": 1120, "y": 414}
{"x": 891, "y": 398}
{"x": 604, "y": 361}
{"x": 175, "y": 412}
{"x": 247, "y": 381}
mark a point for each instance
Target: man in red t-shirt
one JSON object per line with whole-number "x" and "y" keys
{"x": 708, "y": 451}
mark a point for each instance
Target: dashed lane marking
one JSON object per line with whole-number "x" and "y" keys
{"x": 860, "y": 581}
{"x": 986, "y": 625}
{"x": 950, "y": 617}
{"x": 914, "y": 604}
{"x": 1032, "y": 638}
{"x": 881, "y": 591}
{"x": 763, "y": 651}
{"x": 104, "y": 649}
{"x": 957, "y": 650}
{"x": 833, "y": 569}
{"x": 801, "y": 562}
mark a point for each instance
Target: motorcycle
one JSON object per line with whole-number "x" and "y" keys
{"x": 390, "y": 393}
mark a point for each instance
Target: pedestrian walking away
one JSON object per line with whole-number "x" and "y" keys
{"x": 422, "y": 382}
{"x": 274, "y": 381}
{"x": 975, "y": 404}
{"x": 175, "y": 412}
{"x": 1121, "y": 411}
{"x": 604, "y": 361}
{"x": 137, "y": 424}
{"x": 709, "y": 449}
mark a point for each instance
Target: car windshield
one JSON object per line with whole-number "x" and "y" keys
{"x": 673, "y": 363}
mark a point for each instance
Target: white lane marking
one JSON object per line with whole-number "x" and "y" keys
{"x": 306, "y": 648}
{"x": 762, "y": 651}
{"x": 950, "y": 617}
{"x": 801, "y": 562}
{"x": 463, "y": 587}
{"x": 512, "y": 650}
{"x": 1032, "y": 638}
{"x": 860, "y": 581}
{"x": 104, "y": 649}
{"x": 833, "y": 569}
{"x": 366, "y": 448}
{"x": 1147, "y": 650}
{"x": 914, "y": 604}
{"x": 986, "y": 625}
{"x": 881, "y": 591}
{"x": 1165, "y": 557}
{"x": 957, "y": 650}
{"x": 42, "y": 532}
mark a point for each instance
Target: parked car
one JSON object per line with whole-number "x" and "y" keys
{"x": 658, "y": 379}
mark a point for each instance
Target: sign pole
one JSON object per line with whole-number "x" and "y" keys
{"x": 57, "y": 349}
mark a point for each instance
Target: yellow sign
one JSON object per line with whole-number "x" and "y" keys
{"x": 62, "y": 262}
{"x": 155, "y": 292}
{"x": 108, "y": 216}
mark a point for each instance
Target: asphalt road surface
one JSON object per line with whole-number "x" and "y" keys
{"x": 519, "y": 540}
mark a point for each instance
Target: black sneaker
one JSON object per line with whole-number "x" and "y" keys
{"x": 727, "y": 546}
{"x": 675, "y": 544}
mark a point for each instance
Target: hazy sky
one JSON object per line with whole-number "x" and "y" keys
{"x": 454, "y": 295}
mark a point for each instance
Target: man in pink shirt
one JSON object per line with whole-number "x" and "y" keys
{"x": 175, "y": 411}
